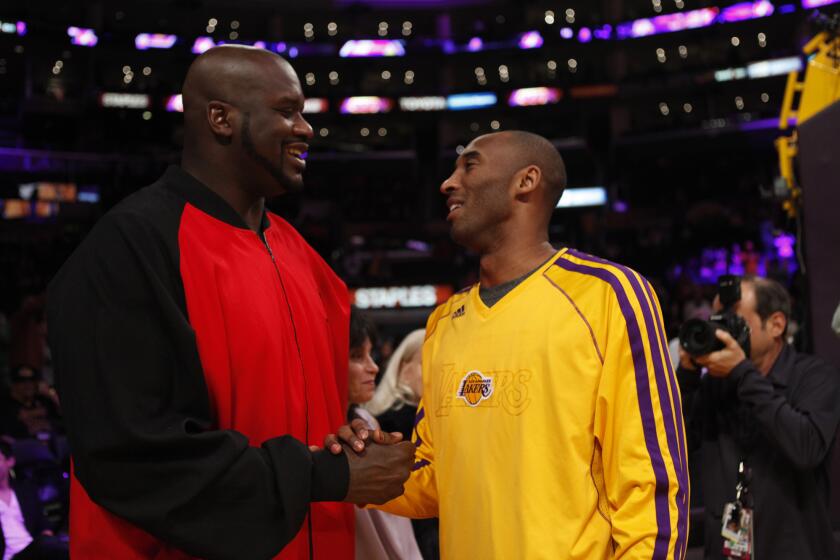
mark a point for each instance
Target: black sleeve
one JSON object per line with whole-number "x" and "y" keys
{"x": 138, "y": 416}
{"x": 803, "y": 431}
{"x": 692, "y": 405}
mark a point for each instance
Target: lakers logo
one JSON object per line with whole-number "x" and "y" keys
{"x": 475, "y": 388}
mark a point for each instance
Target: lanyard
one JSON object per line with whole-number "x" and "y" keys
{"x": 742, "y": 487}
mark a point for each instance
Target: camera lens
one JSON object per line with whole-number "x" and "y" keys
{"x": 697, "y": 337}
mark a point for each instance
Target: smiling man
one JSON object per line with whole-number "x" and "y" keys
{"x": 200, "y": 347}
{"x": 550, "y": 424}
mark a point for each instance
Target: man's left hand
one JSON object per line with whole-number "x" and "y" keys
{"x": 721, "y": 362}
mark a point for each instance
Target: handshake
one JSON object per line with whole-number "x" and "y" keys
{"x": 380, "y": 462}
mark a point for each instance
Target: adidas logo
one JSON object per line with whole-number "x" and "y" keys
{"x": 458, "y": 312}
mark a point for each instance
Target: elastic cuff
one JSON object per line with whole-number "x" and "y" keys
{"x": 330, "y": 477}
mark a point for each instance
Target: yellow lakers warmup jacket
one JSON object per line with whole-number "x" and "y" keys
{"x": 550, "y": 425}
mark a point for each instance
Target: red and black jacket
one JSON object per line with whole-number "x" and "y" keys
{"x": 195, "y": 360}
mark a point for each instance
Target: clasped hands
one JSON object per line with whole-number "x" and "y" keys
{"x": 380, "y": 462}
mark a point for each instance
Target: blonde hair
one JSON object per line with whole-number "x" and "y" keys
{"x": 390, "y": 393}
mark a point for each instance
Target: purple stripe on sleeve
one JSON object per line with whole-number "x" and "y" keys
{"x": 657, "y": 344}
{"x": 420, "y": 464}
{"x": 420, "y": 414}
{"x": 663, "y": 523}
{"x": 681, "y": 440}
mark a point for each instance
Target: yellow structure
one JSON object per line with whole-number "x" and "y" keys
{"x": 820, "y": 88}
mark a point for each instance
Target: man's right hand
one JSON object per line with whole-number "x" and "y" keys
{"x": 686, "y": 362}
{"x": 378, "y": 473}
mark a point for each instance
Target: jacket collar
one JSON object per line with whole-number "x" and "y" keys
{"x": 202, "y": 197}
{"x": 783, "y": 366}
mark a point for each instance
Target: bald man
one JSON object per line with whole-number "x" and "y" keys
{"x": 550, "y": 424}
{"x": 200, "y": 347}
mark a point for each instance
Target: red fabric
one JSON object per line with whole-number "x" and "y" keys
{"x": 240, "y": 311}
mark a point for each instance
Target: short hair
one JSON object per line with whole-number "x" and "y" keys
{"x": 770, "y": 297}
{"x": 361, "y": 328}
{"x": 537, "y": 150}
{"x": 6, "y": 448}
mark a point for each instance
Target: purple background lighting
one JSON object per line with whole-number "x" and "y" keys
{"x": 530, "y": 40}
{"x": 785, "y": 243}
{"x": 604, "y": 32}
{"x": 203, "y": 44}
{"x": 817, "y": 3}
{"x": 82, "y": 36}
{"x": 175, "y": 104}
{"x": 695, "y": 19}
{"x": 371, "y": 47}
{"x": 475, "y": 44}
{"x": 145, "y": 41}
{"x": 584, "y": 35}
{"x": 366, "y": 105}
{"x": 745, "y": 11}
{"x": 668, "y": 23}
{"x": 21, "y": 28}
{"x": 526, "y": 97}
{"x": 567, "y": 32}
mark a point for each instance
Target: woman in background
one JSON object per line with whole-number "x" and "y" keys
{"x": 396, "y": 398}
{"x": 379, "y": 535}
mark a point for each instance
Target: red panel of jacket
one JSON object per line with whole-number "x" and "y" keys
{"x": 271, "y": 329}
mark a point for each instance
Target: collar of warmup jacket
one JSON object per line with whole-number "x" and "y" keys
{"x": 202, "y": 197}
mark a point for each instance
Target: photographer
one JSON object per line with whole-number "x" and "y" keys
{"x": 776, "y": 412}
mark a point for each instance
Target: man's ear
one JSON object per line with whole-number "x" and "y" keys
{"x": 527, "y": 180}
{"x": 221, "y": 117}
{"x": 776, "y": 324}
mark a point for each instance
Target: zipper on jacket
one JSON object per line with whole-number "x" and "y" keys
{"x": 264, "y": 239}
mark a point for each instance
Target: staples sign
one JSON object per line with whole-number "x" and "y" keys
{"x": 395, "y": 297}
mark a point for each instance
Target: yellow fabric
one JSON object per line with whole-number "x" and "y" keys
{"x": 544, "y": 455}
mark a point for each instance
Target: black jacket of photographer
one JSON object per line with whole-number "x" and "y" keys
{"x": 782, "y": 426}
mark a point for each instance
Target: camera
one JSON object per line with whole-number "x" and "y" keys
{"x": 697, "y": 337}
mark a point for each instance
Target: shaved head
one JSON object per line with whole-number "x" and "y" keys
{"x": 229, "y": 73}
{"x": 243, "y": 114}
{"x": 526, "y": 149}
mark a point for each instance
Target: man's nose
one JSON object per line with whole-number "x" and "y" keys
{"x": 448, "y": 185}
{"x": 303, "y": 128}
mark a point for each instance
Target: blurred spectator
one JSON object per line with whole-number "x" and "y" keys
{"x": 698, "y": 307}
{"x": 835, "y": 322}
{"x": 395, "y": 401}
{"x": 24, "y": 530}
{"x": 4, "y": 349}
{"x": 27, "y": 411}
{"x": 379, "y": 535}
{"x": 28, "y": 328}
